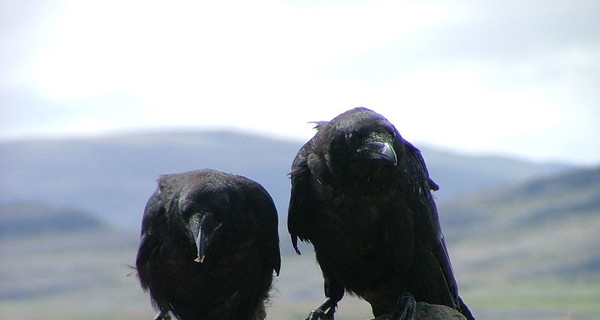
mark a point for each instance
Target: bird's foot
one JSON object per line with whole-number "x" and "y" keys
{"x": 317, "y": 315}
{"x": 163, "y": 315}
{"x": 324, "y": 311}
{"x": 406, "y": 308}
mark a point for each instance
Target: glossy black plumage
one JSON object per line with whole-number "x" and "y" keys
{"x": 234, "y": 220}
{"x": 361, "y": 195}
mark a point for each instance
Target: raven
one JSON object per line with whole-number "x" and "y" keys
{"x": 361, "y": 195}
{"x": 209, "y": 246}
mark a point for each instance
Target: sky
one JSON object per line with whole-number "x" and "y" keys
{"x": 516, "y": 78}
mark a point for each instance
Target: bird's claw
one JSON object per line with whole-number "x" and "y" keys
{"x": 317, "y": 314}
{"x": 163, "y": 315}
{"x": 406, "y": 308}
{"x": 324, "y": 311}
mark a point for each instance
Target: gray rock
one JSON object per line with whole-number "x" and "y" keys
{"x": 426, "y": 311}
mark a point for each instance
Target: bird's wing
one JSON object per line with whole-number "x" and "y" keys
{"x": 431, "y": 270}
{"x": 154, "y": 214}
{"x": 269, "y": 236}
{"x": 302, "y": 198}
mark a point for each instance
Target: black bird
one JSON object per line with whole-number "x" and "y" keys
{"x": 361, "y": 195}
{"x": 209, "y": 246}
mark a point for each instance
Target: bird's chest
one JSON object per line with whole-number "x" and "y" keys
{"x": 355, "y": 226}
{"x": 360, "y": 232}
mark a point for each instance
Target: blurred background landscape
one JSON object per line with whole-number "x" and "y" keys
{"x": 98, "y": 98}
{"x": 522, "y": 235}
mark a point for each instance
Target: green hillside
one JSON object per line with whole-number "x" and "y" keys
{"x": 531, "y": 249}
{"x": 531, "y": 252}
{"x": 71, "y": 267}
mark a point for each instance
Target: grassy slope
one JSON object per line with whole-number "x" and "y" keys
{"x": 533, "y": 257}
{"x": 74, "y": 275}
{"x": 90, "y": 282}
{"x": 534, "y": 253}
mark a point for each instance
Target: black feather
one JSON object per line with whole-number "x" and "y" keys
{"x": 239, "y": 219}
{"x": 373, "y": 221}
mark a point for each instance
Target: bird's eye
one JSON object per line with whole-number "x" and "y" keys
{"x": 353, "y": 138}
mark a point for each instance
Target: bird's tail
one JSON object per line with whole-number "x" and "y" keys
{"x": 465, "y": 310}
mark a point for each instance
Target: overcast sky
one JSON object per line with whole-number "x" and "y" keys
{"x": 506, "y": 77}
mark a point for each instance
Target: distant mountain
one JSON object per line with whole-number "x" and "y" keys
{"x": 113, "y": 176}
{"x": 460, "y": 174}
{"x": 31, "y": 219}
{"x": 544, "y": 227}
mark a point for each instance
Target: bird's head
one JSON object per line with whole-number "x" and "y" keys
{"x": 372, "y": 147}
{"x": 360, "y": 144}
{"x": 204, "y": 217}
{"x": 202, "y": 227}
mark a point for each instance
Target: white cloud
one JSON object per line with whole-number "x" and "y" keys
{"x": 142, "y": 47}
{"x": 456, "y": 74}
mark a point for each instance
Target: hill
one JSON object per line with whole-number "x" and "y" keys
{"x": 113, "y": 176}
{"x": 523, "y": 252}
{"x": 29, "y": 219}
{"x": 540, "y": 202}
{"x": 532, "y": 247}
{"x": 62, "y": 263}
{"x": 460, "y": 174}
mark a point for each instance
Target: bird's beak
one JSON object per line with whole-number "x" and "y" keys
{"x": 200, "y": 245}
{"x": 387, "y": 153}
{"x": 376, "y": 150}
{"x": 200, "y": 236}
